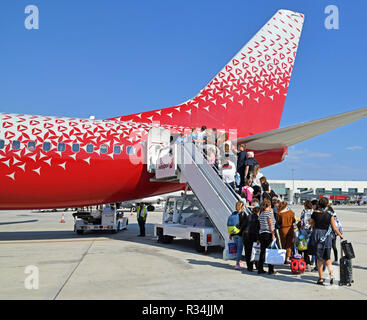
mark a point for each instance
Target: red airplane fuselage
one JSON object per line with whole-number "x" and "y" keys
{"x": 51, "y": 162}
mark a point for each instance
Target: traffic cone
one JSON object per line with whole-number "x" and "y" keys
{"x": 62, "y": 219}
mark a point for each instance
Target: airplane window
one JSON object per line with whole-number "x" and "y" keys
{"x": 75, "y": 147}
{"x": 46, "y": 146}
{"x": 2, "y": 144}
{"x": 61, "y": 147}
{"x": 104, "y": 148}
{"x": 16, "y": 145}
{"x": 130, "y": 150}
{"x": 90, "y": 148}
{"x": 116, "y": 149}
{"x": 31, "y": 145}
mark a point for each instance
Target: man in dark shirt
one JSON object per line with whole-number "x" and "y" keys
{"x": 250, "y": 163}
{"x": 241, "y": 159}
{"x": 250, "y": 227}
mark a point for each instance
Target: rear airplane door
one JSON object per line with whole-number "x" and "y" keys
{"x": 158, "y": 138}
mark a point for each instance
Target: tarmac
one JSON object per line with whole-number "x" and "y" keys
{"x": 44, "y": 259}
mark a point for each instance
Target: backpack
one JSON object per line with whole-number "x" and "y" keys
{"x": 233, "y": 223}
{"x": 248, "y": 192}
{"x": 338, "y": 224}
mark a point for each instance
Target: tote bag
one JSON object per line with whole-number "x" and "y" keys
{"x": 230, "y": 250}
{"x": 273, "y": 255}
{"x": 255, "y": 253}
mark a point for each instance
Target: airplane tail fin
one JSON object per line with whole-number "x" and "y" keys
{"x": 248, "y": 94}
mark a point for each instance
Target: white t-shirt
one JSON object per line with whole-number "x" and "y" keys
{"x": 229, "y": 173}
{"x": 256, "y": 180}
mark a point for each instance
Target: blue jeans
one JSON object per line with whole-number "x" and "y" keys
{"x": 239, "y": 243}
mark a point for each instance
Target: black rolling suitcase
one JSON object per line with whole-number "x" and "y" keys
{"x": 345, "y": 267}
{"x": 346, "y": 272}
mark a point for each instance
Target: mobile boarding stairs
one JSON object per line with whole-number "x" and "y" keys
{"x": 186, "y": 163}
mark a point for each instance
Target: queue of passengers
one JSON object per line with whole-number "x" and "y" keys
{"x": 263, "y": 221}
{"x": 263, "y": 218}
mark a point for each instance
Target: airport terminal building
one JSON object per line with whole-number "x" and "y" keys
{"x": 339, "y": 191}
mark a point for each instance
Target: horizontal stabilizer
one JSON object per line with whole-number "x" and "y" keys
{"x": 288, "y": 136}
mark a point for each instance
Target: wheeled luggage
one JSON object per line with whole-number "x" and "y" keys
{"x": 345, "y": 264}
{"x": 346, "y": 273}
{"x": 298, "y": 264}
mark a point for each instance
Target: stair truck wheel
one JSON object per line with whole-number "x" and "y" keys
{"x": 198, "y": 246}
{"x": 162, "y": 238}
{"x": 118, "y": 228}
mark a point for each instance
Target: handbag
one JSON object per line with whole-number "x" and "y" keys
{"x": 273, "y": 255}
{"x": 230, "y": 250}
{"x": 347, "y": 248}
{"x": 302, "y": 244}
{"x": 255, "y": 252}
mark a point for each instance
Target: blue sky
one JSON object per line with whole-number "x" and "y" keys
{"x": 110, "y": 58}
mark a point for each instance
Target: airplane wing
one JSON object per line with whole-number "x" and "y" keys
{"x": 285, "y": 137}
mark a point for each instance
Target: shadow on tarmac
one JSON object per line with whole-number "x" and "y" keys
{"x": 17, "y": 222}
{"x": 211, "y": 263}
{"x": 44, "y": 235}
{"x": 284, "y": 273}
{"x": 182, "y": 245}
{"x": 129, "y": 235}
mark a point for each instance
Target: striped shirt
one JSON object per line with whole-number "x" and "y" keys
{"x": 263, "y": 218}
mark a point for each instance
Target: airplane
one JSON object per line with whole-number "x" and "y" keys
{"x": 60, "y": 162}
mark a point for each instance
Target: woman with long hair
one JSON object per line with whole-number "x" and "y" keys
{"x": 338, "y": 225}
{"x": 285, "y": 219}
{"x": 323, "y": 225}
{"x": 305, "y": 229}
{"x": 266, "y": 234}
{"x": 256, "y": 175}
{"x": 235, "y": 233}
